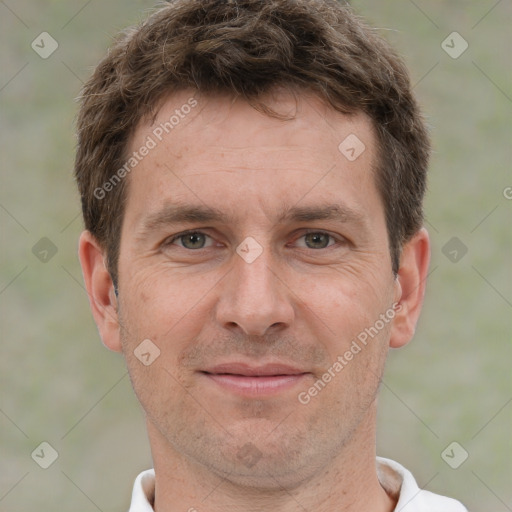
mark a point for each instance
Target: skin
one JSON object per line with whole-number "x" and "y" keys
{"x": 302, "y": 301}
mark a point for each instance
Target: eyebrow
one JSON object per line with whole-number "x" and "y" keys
{"x": 172, "y": 214}
{"x": 178, "y": 214}
{"x": 336, "y": 212}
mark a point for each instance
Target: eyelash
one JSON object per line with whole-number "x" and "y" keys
{"x": 170, "y": 241}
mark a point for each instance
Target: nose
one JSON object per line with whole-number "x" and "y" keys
{"x": 254, "y": 298}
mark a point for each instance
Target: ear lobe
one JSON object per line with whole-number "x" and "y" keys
{"x": 100, "y": 289}
{"x": 411, "y": 283}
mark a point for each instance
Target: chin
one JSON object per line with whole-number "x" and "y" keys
{"x": 266, "y": 462}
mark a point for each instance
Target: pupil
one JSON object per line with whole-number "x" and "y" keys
{"x": 317, "y": 240}
{"x": 194, "y": 240}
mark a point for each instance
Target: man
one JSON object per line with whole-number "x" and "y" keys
{"x": 252, "y": 176}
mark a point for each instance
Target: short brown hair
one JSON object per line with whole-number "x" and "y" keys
{"x": 247, "y": 48}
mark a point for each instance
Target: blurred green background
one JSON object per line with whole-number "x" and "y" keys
{"x": 60, "y": 385}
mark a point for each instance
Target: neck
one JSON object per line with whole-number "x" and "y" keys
{"x": 347, "y": 483}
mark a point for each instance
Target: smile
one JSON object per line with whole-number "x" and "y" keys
{"x": 258, "y": 382}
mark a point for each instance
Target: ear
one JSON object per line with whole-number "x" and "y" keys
{"x": 411, "y": 283}
{"x": 100, "y": 289}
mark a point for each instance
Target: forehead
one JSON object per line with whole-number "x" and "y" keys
{"x": 306, "y": 123}
{"x": 223, "y": 153}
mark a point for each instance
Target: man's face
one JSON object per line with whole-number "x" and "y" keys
{"x": 285, "y": 263}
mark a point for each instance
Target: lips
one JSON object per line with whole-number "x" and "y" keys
{"x": 255, "y": 381}
{"x": 254, "y": 371}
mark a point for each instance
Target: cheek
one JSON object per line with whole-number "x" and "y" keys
{"x": 343, "y": 302}
{"x": 158, "y": 303}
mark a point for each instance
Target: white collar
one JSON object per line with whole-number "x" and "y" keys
{"x": 143, "y": 493}
{"x": 397, "y": 481}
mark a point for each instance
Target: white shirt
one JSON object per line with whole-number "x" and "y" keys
{"x": 393, "y": 477}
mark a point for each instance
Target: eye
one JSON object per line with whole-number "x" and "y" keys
{"x": 191, "y": 240}
{"x": 316, "y": 240}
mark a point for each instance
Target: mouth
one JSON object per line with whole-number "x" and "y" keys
{"x": 255, "y": 381}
